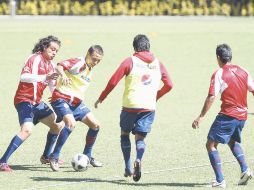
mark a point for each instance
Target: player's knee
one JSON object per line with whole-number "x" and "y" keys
{"x": 140, "y": 135}
{"x": 56, "y": 128}
{"x": 25, "y": 133}
{"x": 71, "y": 124}
{"x": 96, "y": 127}
{"x": 210, "y": 146}
{"x": 231, "y": 143}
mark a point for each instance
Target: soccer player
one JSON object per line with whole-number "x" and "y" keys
{"x": 37, "y": 73}
{"x": 67, "y": 101}
{"x": 143, "y": 73}
{"x": 232, "y": 82}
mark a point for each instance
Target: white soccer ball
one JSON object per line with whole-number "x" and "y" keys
{"x": 80, "y": 162}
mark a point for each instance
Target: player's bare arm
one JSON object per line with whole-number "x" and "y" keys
{"x": 208, "y": 103}
{"x": 64, "y": 79}
{"x": 52, "y": 76}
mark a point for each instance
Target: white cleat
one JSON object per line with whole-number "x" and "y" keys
{"x": 245, "y": 177}
{"x": 215, "y": 184}
{"x": 95, "y": 163}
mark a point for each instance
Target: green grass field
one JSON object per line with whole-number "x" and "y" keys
{"x": 175, "y": 157}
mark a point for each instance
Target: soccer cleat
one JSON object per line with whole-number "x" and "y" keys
{"x": 4, "y": 167}
{"x": 137, "y": 171}
{"x": 127, "y": 173}
{"x": 54, "y": 165}
{"x": 216, "y": 184}
{"x": 245, "y": 177}
{"x": 95, "y": 163}
{"x": 45, "y": 160}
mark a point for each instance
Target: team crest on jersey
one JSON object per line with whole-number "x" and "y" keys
{"x": 146, "y": 79}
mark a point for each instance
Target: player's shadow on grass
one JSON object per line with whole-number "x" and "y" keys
{"x": 31, "y": 167}
{"x": 117, "y": 182}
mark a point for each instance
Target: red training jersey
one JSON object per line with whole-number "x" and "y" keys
{"x": 33, "y": 79}
{"x": 232, "y": 82}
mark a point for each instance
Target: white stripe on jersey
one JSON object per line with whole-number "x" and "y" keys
{"x": 250, "y": 80}
{"x": 250, "y": 83}
{"x": 35, "y": 71}
{"x": 219, "y": 84}
{"x": 30, "y": 78}
{"x": 75, "y": 69}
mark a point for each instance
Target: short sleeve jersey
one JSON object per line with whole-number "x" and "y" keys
{"x": 80, "y": 75}
{"x": 233, "y": 82}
